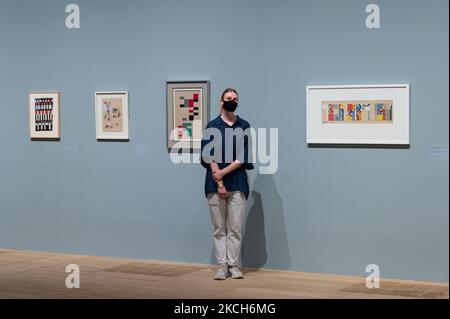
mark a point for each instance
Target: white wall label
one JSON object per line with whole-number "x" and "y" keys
{"x": 71, "y": 146}
{"x": 439, "y": 152}
{"x": 140, "y": 148}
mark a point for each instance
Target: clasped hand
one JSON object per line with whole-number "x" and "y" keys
{"x": 217, "y": 176}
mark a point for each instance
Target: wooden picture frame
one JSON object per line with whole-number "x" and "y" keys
{"x": 187, "y": 113}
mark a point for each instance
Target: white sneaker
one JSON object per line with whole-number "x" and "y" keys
{"x": 222, "y": 272}
{"x": 236, "y": 273}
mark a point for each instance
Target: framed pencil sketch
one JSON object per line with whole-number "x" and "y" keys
{"x": 187, "y": 113}
{"x": 44, "y": 113}
{"x": 111, "y": 115}
{"x": 358, "y": 114}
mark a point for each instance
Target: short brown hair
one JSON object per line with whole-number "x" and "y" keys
{"x": 228, "y": 90}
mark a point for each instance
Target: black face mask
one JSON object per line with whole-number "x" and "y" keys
{"x": 230, "y": 106}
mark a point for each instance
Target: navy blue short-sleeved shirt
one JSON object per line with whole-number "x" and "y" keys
{"x": 237, "y": 179}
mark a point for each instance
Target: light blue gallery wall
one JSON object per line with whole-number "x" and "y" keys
{"x": 331, "y": 210}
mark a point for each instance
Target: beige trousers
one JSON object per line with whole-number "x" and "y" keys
{"x": 227, "y": 217}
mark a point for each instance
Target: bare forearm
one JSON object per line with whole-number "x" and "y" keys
{"x": 233, "y": 166}
{"x": 214, "y": 166}
{"x": 218, "y": 174}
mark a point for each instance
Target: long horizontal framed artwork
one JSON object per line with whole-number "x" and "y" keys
{"x": 358, "y": 114}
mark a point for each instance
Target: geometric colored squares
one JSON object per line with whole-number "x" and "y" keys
{"x": 381, "y": 115}
{"x": 185, "y": 127}
{"x": 359, "y": 108}
{"x": 190, "y": 103}
{"x": 366, "y": 112}
{"x": 350, "y": 112}
{"x": 330, "y": 112}
{"x": 357, "y": 112}
{"x": 336, "y": 112}
{"x": 341, "y": 112}
{"x": 363, "y": 112}
{"x": 187, "y": 109}
{"x": 384, "y": 112}
{"x": 388, "y": 112}
{"x": 188, "y": 127}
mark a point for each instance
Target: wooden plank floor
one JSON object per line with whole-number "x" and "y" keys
{"x": 26, "y": 274}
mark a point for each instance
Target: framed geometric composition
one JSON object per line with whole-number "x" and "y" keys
{"x": 44, "y": 112}
{"x": 111, "y": 115}
{"x": 358, "y": 114}
{"x": 187, "y": 113}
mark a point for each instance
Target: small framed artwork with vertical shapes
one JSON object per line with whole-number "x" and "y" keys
{"x": 44, "y": 112}
{"x": 187, "y": 114}
{"x": 111, "y": 115}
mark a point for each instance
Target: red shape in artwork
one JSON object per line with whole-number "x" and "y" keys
{"x": 330, "y": 113}
{"x": 196, "y": 96}
{"x": 191, "y": 103}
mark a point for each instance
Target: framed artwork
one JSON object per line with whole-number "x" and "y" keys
{"x": 44, "y": 112}
{"x": 111, "y": 115}
{"x": 187, "y": 113}
{"x": 358, "y": 114}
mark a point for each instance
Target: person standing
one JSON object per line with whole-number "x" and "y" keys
{"x": 226, "y": 185}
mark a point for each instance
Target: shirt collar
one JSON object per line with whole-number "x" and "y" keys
{"x": 219, "y": 120}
